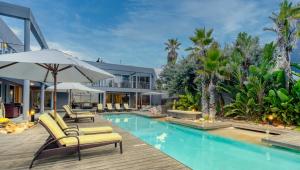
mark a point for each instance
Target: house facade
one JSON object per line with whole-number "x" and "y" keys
{"x": 128, "y": 85}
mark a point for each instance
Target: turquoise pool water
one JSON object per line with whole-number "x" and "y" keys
{"x": 201, "y": 150}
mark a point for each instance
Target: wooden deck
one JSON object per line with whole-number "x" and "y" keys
{"x": 16, "y": 152}
{"x": 197, "y": 125}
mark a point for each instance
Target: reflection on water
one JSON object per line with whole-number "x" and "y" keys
{"x": 162, "y": 137}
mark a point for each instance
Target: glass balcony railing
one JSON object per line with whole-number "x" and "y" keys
{"x": 124, "y": 84}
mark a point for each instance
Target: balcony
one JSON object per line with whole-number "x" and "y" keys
{"x": 124, "y": 84}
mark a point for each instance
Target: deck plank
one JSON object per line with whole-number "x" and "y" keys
{"x": 17, "y": 150}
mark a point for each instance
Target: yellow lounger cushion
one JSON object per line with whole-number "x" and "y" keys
{"x": 80, "y": 112}
{"x": 85, "y": 139}
{"x": 59, "y": 121}
{"x": 87, "y": 113}
{"x": 52, "y": 126}
{"x": 82, "y": 116}
{"x": 4, "y": 120}
{"x": 93, "y": 130}
{"x": 90, "y": 139}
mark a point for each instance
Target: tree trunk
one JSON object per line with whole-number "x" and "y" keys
{"x": 204, "y": 102}
{"x": 283, "y": 61}
{"x": 212, "y": 99}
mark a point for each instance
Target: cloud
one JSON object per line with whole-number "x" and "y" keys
{"x": 63, "y": 48}
{"x": 17, "y": 31}
{"x": 136, "y": 30}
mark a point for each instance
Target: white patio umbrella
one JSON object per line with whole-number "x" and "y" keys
{"x": 70, "y": 87}
{"x": 50, "y": 66}
{"x": 74, "y": 86}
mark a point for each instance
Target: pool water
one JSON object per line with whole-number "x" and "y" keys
{"x": 201, "y": 150}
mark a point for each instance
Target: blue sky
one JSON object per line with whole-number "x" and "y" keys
{"x": 133, "y": 32}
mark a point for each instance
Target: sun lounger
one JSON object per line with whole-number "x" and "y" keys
{"x": 76, "y": 116}
{"x": 81, "y": 112}
{"x": 118, "y": 107}
{"x": 100, "y": 107}
{"x": 109, "y": 107}
{"x": 59, "y": 143}
{"x": 86, "y": 131}
{"x": 126, "y": 107}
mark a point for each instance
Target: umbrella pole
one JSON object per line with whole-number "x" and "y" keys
{"x": 54, "y": 93}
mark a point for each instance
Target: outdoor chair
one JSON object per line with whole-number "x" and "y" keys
{"x": 109, "y": 107}
{"x": 86, "y": 131}
{"x": 77, "y": 115}
{"x": 118, "y": 107}
{"x": 79, "y": 112}
{"x": 59, "y": 143}
{"x": 100, "y": 107}
{"x": 126, "y": 107}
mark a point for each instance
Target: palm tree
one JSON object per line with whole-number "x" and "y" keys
{"x": 214, "y": 68}
{"x": 249, "y": 49}
{"x": 201, "y": 40}
{"x": 171, "y": 46}
{"x": 285, "y": 26}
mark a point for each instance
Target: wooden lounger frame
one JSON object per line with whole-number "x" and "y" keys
{"x": 52, "y": 146}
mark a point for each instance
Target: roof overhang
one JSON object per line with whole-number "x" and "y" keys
{"x": 24, "y": 13}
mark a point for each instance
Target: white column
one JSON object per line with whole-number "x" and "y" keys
{"x": 150, "y": 99}
{"x": 104, "y": 99}
{"x": 42, "y": 98}
{"x": 26, "y": 86}
{"x": 136, "y": 100}
{"x": 26, "y": 98}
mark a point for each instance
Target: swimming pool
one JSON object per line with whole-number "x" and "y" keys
{"x": 201, "y": 150}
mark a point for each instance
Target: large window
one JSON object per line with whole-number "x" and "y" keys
{"x": 144, "y": 82}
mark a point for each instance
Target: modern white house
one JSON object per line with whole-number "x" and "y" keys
{"x": 129, "y": 85}
{"x": 19, "y": 96}
{"x": 16, "y": 94}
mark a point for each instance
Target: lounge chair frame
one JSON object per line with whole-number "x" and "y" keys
{"x": 52, "y": 146}
{"x": 76, "y": 119}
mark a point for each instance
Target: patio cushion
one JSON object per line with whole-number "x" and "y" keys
{"x": 82, "y": 112}
{"x": 93, "y": 130}
{"x": 82, "y": 116}
{"x": 52, "y": 126}
{"x": 59, "y": 120}
{"x": 67, "y": 109}
{"x": 109, "y": 106}
{"x": 117, "y": 105}
{"x": 100, "y": 106}
{"x": 90, "y": 139}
